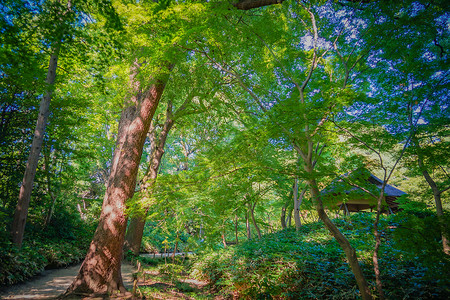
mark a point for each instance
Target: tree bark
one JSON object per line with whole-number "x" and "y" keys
{"x": 21, "y": 212}
{"x": 251, "y": 209}
{"x": 176, "y": 247}
{"x": 100, "y": 271}
{"x": 349, "y": 251}
{"x": 250, "y": 4}
{"x": 283, "y": 210}
{"x": 247, "y": 225}
{"x": 436, "y": 194}
{"x": 377, "y": 234}
{"x": 135, "y": 232}
{"x": 289, "y": 215}
{"x": 133, "y": 238}
{"x": 224, "y": 241}
{"x": 236, "y": 228}
{"x": 297, "y": 202}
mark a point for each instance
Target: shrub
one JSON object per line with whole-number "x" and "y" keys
{"x": 50, "y": 248}
{"x": 311, "y": 265}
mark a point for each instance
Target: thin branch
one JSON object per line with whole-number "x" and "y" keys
{"x": 360, "y": 187}
{"x": 314, "y": 62}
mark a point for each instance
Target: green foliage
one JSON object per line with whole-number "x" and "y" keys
{"x": 418, "y": 235}
{"x": 158, "y": 239}
{"x": 16, "y": 266}
{"x": 311, "y": 265}
{"x": 62, "y": 242}
{"x": 170, "y": 270}
{"x": 35, "y": 255}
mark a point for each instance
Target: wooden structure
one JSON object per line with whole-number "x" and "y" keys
{"x": 347, "y": 193}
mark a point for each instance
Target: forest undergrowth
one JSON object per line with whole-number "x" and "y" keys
{"x": 309, "y": 264}
{"x": 63, "y": 242}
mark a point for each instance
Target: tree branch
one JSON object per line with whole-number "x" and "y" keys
{"x": 251, "y": 4}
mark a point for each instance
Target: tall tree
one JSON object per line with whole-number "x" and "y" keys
{"x": 135, "y": 230}
{"x": 61, "y": 15}
{"x": 195, "y": 88}
{"x": 21, "y": 81}
{"x": 100, "y": 271}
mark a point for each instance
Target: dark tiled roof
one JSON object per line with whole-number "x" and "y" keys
{"x": 357, "y": 175}
{"x": 389, "y": 190}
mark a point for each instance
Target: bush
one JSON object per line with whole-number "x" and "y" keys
{"x": 18, "y": 265}
{"x": 311, "y": 265}
{"x": 56, "y": 246}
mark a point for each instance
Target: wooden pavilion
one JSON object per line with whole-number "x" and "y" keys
{"x": 350, "y": 193}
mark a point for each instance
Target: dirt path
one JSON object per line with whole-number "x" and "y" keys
{"x": 51, "y": 283}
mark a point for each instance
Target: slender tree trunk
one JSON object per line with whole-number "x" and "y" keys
{"x": 284, "y": 208}
{"x": 289, "y": 216}
{"x": 224, "y": 241}
{"x": 251, "y": 209}
{"x": 236, "y": 228}
{"x": 437, "y": 199}
{"x": 21, "y": 212}
{"x": 133, "y": 238}
{"x": 49, "y": 189}
{"x": 176, "y": 247}
{"x": 135, "y": 232}
{"x": 186, "y": 153}
{"x": 247, "y": 225}
{"x": 349, "y": 251}
{"x": 283, "y": 217}
{"x": 377, "y": 233}
{"x": 224, "y": 237}
{"x": 297, "y": 202}
{"x": 100, "y": 271}
{"x": 442, "y": 224}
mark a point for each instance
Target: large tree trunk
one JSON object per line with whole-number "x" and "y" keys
{"x": 100, "y": 271}
{"x": 21, "y": 212}
{"x": 133, "y": 238}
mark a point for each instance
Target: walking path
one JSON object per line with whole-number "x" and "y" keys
{"x": 52, "y": 283}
